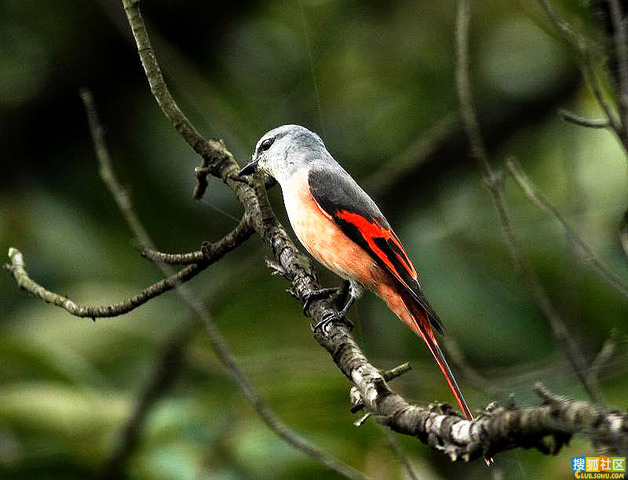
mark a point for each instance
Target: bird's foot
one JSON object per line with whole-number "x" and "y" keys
{"x": 334, "y": 317}
{"x": 317, "y": 294}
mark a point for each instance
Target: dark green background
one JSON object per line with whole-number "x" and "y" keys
{"x": 380, "y": 79}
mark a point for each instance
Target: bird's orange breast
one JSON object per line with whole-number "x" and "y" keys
{"x": 328, "y": 244}
{"x": 325, "y": 241}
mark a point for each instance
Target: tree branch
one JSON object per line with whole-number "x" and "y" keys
{"x": 585, "y": 63}
{"x": 620, "y": 38}
{"x": 603, "y": 357}
{"x": 173, "y": 258}
{"x": 494, "y": 183}
{"x": 495, "y": 430}
{"x": 17, "y": 267}
{"x": 165, "y": 372}
{"x": 397, "y": 450}
{"x": 583, "y": 252}
{"x": 212, "y": 252}
{"x": 582, "y": 121}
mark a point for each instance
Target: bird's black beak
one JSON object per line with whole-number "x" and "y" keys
{"x": 249, "y": 168}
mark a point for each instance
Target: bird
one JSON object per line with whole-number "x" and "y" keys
{"x": 344, "y": 230}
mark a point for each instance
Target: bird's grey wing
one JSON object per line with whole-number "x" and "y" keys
{"x": 357, "y": 215}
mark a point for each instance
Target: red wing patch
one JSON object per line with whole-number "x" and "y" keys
{"x": 342, "y": 200}
{"x": 373, "y": 234}
{"x": 386, "y": 249}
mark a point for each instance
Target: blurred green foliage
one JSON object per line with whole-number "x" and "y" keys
{"x": 371, "y": 77}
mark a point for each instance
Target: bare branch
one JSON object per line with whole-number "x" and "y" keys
{"x": 608, "y": 351}
{"x": 173, "y": 258}
{"x": 494, "y": 184}
{"x": 388, "y": 375}
{"x": 623, "y": 232}
{"x": 467, "y": 110}
{"x": 215, "y": 252}
{"x": 620, "y": 37}
{"x": 418, "y": 152}
{"x": 106, "y": 172}
{"x": 495, "y": 430}
{"x": 583, "y": 252}
{"x": 209, "y": 252}
{"x": 165, "y": 373}
{"x": 396, "y": 372}
{"x": 615, "y": 24}
{"x": 585, "y": 63}
{"x": 397, "y": 450}
{"x": 17, "y": 267}
{"x": 582, "y": 121}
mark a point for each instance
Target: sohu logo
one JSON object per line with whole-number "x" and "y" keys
{"x": 605, "y": 467}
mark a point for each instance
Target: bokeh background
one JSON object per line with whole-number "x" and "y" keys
{"x": 376, "y": 80}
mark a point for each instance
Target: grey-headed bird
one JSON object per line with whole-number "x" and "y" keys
{"x": 342, "y": 228}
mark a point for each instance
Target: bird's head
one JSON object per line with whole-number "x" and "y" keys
{"x": 284, "y": 150}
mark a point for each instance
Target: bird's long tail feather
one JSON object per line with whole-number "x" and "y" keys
{"x": 425, "y": 330}
{"x": 423, "y": 327}
{"x": 415, "y": 317}
{"x": 438, "y": 355}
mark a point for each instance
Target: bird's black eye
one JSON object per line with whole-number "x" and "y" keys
{"x": 265, "y": 145}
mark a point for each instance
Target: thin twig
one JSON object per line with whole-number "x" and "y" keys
{"x": 467, "y": 111}
{"x": 608, "y": 350}
{"x": 173, "y": 258}
{"x": 418, "y": 152}
{"x": 397, "y": 450}
{"x": 396, "y": 371}
{"x": 623, "y": 232}
{"x": 215, "y": 252}
{"x": 165, "y": 372}
{"x": 495, "y": 187}
{"x": 207, "y": 252}
{"x": 585, "y": 64}
{"x": 106, "y": 172}
{"x": 583, "y": 252}
{"x": 576, "y": 119}
{"x": 355, "y": 394}
{"x": 620, "y": 38}
{"x": 17, "y": 267}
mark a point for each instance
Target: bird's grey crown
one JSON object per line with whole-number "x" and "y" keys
{"x": 293, "y": 147}
{"x": 292, "y": 132}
